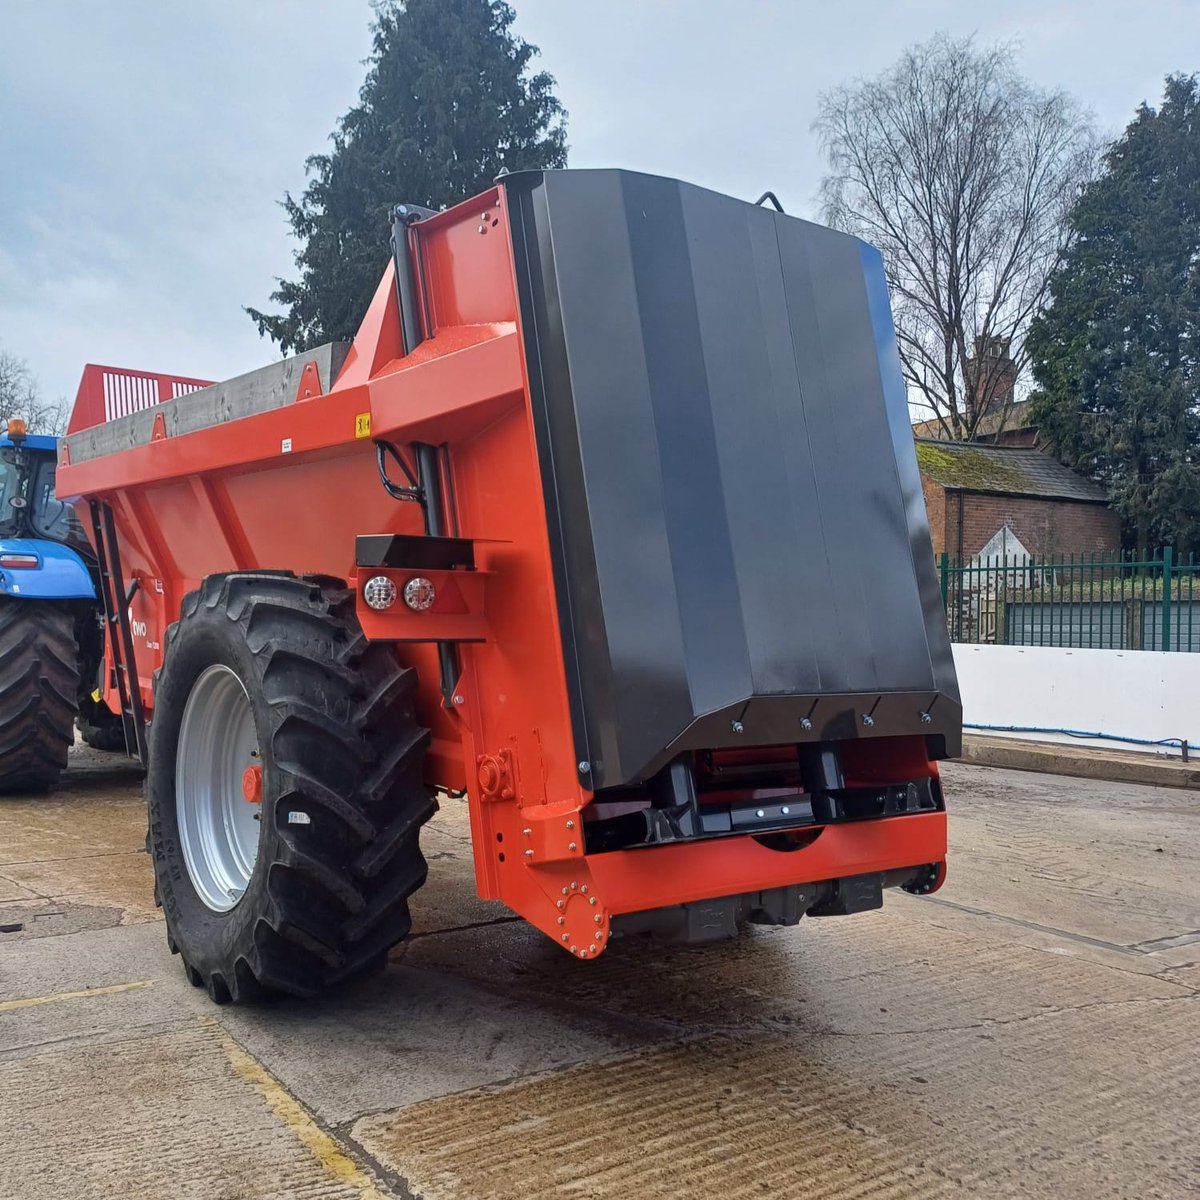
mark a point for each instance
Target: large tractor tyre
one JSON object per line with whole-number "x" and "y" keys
{"x": 100, "y": 727}
{"x": 285, "y": 789}
{"x": 39, "y": 680}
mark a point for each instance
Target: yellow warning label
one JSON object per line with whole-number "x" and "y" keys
{"x": 96, "y": 695}
{"x": 362, "y": 425}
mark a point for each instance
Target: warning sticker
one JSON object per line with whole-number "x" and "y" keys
{"x": 362, "y": 425}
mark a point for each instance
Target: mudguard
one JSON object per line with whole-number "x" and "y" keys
{"x": 61, "y": 574}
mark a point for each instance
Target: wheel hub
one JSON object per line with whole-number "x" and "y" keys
{"x": 218, "y": 752}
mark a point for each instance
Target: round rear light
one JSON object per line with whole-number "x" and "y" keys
{"x": 419, "y": 594}
{"x": 379, "y": 592}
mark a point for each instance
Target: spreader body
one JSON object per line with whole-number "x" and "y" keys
{"x": 622, "y": 469}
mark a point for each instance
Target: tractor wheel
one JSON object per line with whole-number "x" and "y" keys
{"x": 285, "y": 788}
{"x": 39, "y": 679}
{"x": 100, "y": 727}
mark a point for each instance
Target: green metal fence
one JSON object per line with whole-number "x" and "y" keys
{"x": 1106, "y": 602}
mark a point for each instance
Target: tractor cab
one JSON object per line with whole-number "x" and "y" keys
{"x": 29, "y": 509}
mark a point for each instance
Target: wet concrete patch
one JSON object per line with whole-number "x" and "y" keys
{"x": 893, "y": 971}
{"x": 124, "y": 881}
{"x": 91, "y": 811}
{"x": 11, "y": 890}
{"x": 81, "y": 845}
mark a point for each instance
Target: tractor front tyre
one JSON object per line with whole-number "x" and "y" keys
{"x": 285, "y": 789}
{"x": 39, "y": 680}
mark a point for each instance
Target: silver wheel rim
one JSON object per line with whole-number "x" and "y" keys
{"x": 218, "y": 827}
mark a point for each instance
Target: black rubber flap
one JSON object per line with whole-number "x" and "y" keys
{"x": 732, "y": 493}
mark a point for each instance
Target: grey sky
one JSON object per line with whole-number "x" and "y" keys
{"x": 144, "y": 145}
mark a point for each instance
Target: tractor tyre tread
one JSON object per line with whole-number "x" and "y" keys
{"x": 39, "y": 681}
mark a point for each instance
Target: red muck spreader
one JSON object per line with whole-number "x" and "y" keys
{"x": 609, "y": 518}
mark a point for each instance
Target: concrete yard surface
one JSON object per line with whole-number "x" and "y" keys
{"x": 1031, "y": 1030}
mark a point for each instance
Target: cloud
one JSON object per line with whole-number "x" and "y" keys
{"x": 145, "y": 147}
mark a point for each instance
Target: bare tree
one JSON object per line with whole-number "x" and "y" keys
{"x": 961, "y": 173}
{"x": 21, "y": 397}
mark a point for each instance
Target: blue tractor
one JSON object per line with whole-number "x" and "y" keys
{"x": 51, "y": 624}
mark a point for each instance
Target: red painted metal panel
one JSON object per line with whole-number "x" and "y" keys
{"x": 106, "y": 393}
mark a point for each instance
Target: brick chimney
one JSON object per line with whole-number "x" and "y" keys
{"x": 993, "y": 372}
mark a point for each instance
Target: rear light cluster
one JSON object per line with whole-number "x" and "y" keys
{"x": 20, "y": 562}
{"x": 380, "y": 593}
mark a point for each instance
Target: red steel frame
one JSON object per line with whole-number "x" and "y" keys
{"x": 109, "y": 392}
{"x": 291, "y": 488}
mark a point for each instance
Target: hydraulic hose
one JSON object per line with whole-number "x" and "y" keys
{"x": 1181, "y": 743}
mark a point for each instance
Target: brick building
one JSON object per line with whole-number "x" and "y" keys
{"x": 1005, "y": 420}
{"x": 1012, "y": 427}
{"x": 985, "y": 501}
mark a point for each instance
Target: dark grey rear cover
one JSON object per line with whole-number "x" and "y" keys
{"x": 740, "y": 538}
